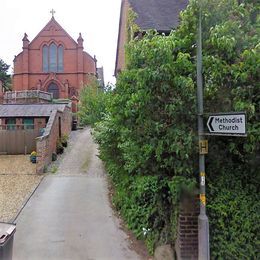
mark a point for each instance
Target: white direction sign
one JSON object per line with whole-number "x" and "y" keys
{"x": 227, "y": 124}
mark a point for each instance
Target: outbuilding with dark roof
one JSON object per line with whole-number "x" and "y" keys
{"x": 29, "y": 110}
{"x": 28, "y": 116}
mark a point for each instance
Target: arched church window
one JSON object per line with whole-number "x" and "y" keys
{"x": 53, "y": 58}
{"x": 45, "y": 58}
{"x": 60, "y": 58}
{"x": 54, "y": 89}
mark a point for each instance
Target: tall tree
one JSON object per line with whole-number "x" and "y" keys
{"x": 4, "y": 76}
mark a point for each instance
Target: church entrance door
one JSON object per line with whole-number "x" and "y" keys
{"x": 54, "y": 89}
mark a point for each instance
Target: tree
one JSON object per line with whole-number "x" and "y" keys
{"x": 93, "y": 103}
{"x": 4, "y": 76}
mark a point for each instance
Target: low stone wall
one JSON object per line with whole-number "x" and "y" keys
{"x": 27, "y": 97}
{"x": 47, "y": 143}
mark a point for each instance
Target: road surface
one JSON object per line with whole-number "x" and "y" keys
{"x": 69, "y": 216}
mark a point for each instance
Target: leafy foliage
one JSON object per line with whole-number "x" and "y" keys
{"x": 148, "y": 136}
{"x": 4, "y": 76}
{"x": 93, "y": 100}
{"x": 149, "y": 204}
{"x": 233, "y": 210}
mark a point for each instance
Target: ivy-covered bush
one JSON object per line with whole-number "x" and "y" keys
{"x": 149, "y": 204}
{"x": 148, "y": 138}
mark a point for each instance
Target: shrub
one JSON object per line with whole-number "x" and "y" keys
{"x": 148, "y": 137}
{"x": 149, "y": 204}
{"x": 64, "y": 140}
{"x": 59, "y": 147}
{"x": 54, "y": 157}
{"x": 233, "y": 212}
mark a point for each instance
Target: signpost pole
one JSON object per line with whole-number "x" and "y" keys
{"x": 202, "y": 219}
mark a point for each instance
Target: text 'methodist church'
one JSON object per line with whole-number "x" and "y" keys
{"x": 53, "y": 62}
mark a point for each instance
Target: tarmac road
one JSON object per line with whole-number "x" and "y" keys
{"x": 69, "y": 216}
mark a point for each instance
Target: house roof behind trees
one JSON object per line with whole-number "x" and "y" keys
{"x": 29, "y": 110}
{"x": 162, "y": 15}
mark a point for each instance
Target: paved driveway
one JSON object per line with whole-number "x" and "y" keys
{"x": 69, "y": 216}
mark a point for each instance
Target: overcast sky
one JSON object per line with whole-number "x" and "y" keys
{"x": 97, "y": 20}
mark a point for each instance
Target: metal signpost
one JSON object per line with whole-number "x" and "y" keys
{"x": 203, "y": 221}
{"x": 227, "y": 124}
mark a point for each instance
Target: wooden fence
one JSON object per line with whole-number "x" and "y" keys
{"x": 18, "y": 141}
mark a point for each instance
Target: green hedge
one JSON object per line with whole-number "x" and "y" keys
{"x": 148, "y": 138}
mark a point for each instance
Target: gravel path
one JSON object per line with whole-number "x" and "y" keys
{"x": 70, "y": 216}
{"x": 16, "y": 165}
{"x": 17, "y": 181}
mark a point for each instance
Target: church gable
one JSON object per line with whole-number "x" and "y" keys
{"x": 54, "y": 62}
{"x": 53, "y": 32}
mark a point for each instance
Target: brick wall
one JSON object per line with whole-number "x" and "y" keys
{"x": 46, "y": 144}
{"x": 122, "y": 37}
{"x": 19, "y": 122}
{"x": 44, "y": 148}
{"x": 187, "y": 238}
{"x": 39, "y": 123}
{"x": 66, "y": 121}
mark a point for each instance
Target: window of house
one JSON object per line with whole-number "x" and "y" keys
{"x": 10, "y": 123}
{"x": 52, "y": 57}
{"x": 28, "y": 123}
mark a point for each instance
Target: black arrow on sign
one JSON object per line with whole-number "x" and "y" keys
{"x": 209, "y": 124}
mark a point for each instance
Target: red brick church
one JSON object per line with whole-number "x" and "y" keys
{"x": 53, "y": 62}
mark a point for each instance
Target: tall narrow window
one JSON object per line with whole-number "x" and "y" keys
{"x": 45, "y": 59}
{"x": 53, "y": 58}
{"x": 60, "y": 58}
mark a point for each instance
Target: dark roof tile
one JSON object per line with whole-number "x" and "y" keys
{"x": 162, "y": 15}
{"x": 29, "y": 110}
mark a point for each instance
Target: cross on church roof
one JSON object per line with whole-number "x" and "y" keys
{"x": 52, "y": 12}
